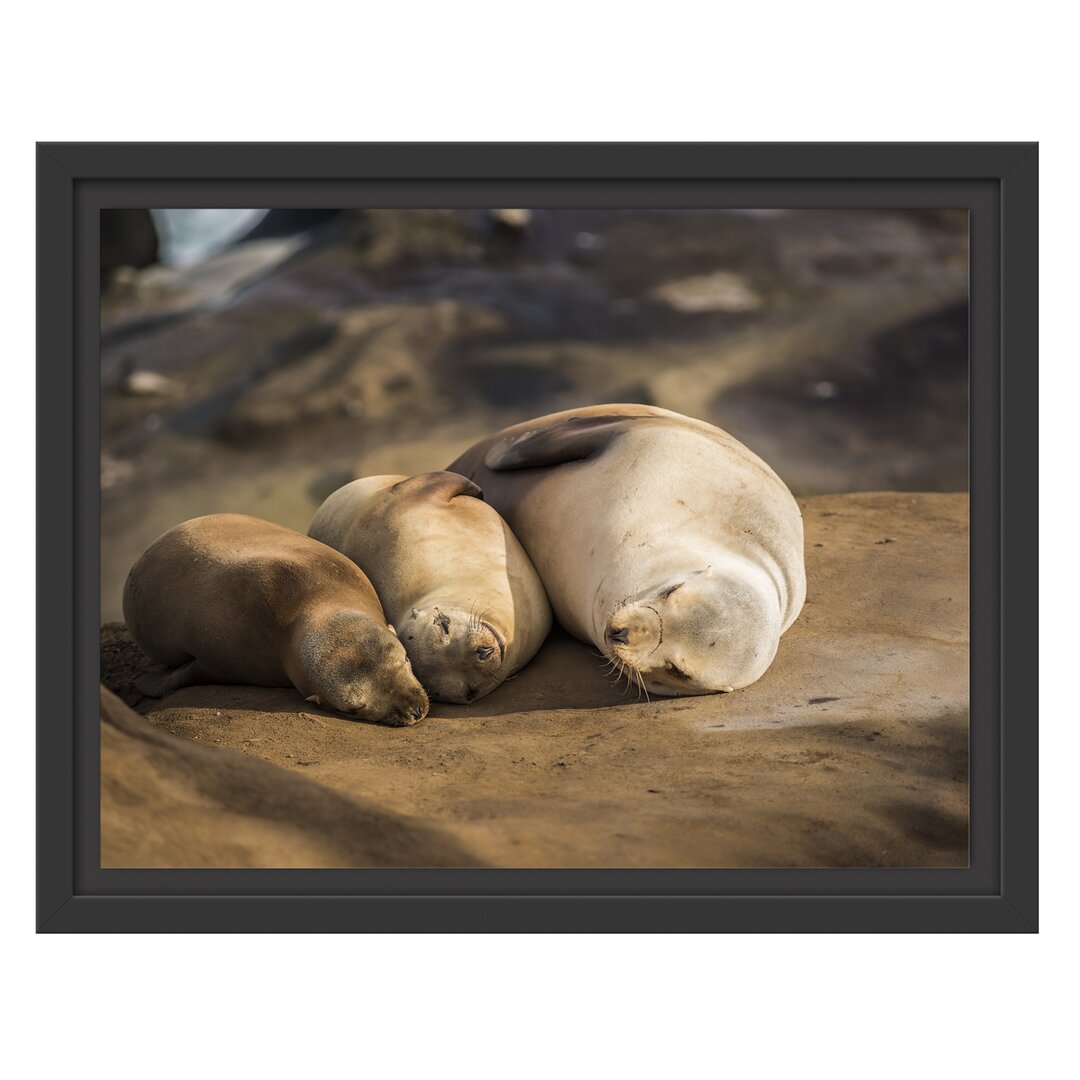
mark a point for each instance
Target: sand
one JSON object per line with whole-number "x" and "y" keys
{"x": 168, "y": 802}
{"x": 850, "y": 751}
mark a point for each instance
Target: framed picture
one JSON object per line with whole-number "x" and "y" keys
{"x": 659, "y": 555}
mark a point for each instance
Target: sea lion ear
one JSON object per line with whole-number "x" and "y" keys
{"x": 314, "y": 699}
{"x": 442, "y": 486}
{"x": 574, "y": 439}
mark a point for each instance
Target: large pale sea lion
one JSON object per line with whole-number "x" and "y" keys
{"x": 452, "y": 577}
{"x": 660, "y": 539}
{"x": 232, "y": 599}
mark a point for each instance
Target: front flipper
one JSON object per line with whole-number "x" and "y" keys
{"x": 437, "y": 486}
{"x": 575, "y": 439}
{"x": 158, "y": 684}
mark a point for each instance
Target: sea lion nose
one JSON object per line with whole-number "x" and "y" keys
{"x": 416, "y": 712}
{"x": 640, "y": 628}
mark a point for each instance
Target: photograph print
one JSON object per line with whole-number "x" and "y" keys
{"x": 534, "y": 538}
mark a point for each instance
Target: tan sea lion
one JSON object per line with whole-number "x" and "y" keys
{"x": 660, "y": 539}
{"x": 232, "y": 599}
{"x": 466, "y": 601}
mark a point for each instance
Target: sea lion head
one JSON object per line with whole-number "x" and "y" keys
{"x": 698, "y": 633}
{"x": 455, "y": 653}
{"x": 354, "y": 665}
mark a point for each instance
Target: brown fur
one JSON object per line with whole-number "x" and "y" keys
{"x": 232, "y": 599}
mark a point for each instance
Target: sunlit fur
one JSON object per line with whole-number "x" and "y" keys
{"x": 699, "y": 634}
{"x": 343, "y": 666}
{"x": 230, "y": 599}
{"x": 661, "y": 540}
{"x": 465, "y": 599}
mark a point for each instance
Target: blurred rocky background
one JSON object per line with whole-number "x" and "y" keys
{"x": 254, "y": 360}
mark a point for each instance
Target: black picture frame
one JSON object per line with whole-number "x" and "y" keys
{"x": 997, "y": 182}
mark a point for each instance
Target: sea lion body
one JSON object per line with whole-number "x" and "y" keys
{"x": 660, "y": 539}
{"x": 232, "y": 599}
{"x": 466, "y": 601}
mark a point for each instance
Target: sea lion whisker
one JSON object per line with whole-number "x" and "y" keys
{"x": 478, "y": 622}
{"x": 614, "y": 669}
{"x": 644, "y": 688}
{"x": 479, "y": 616}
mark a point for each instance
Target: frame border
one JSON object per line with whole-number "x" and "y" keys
{"x": 62, "y": 168}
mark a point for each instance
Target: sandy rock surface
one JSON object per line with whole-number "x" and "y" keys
{"x": 169, "y": 802}
{"x": 851, "y": 751}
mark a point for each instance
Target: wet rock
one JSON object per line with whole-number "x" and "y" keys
{"x": 115, "y": 471}
{"x": 390, "y": 243}
{"x": 884, "y": 407}
{"x": 721, "y": 290}
{"x": 159, "y": 293}
{"x": 380, "y": 363}
{"x": 512, "y": 220}
{"x": 151, "y": 384}
{"x": 289, "y": 222}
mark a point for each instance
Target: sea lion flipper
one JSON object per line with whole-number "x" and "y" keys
{"x": 437, "y": 485}
{"x": 158, "y": 684}
{"x": 567, "y": 440}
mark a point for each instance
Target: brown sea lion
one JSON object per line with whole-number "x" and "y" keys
{"x": 232, "y": 599}
{"x": 452, "y": 577}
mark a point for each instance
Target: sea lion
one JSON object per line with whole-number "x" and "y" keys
{"x": 232, "y": 599}
{"x": 467, "y": 603}
{"x": 660, "y": 539}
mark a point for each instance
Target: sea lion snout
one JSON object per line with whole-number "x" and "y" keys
{"x": 407, "y": 715}
{"x": 406, "y": 702}
{"x": 635, "y": 629}
{"x": 455, "y": 654}
{"x": 410, "y": 701}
